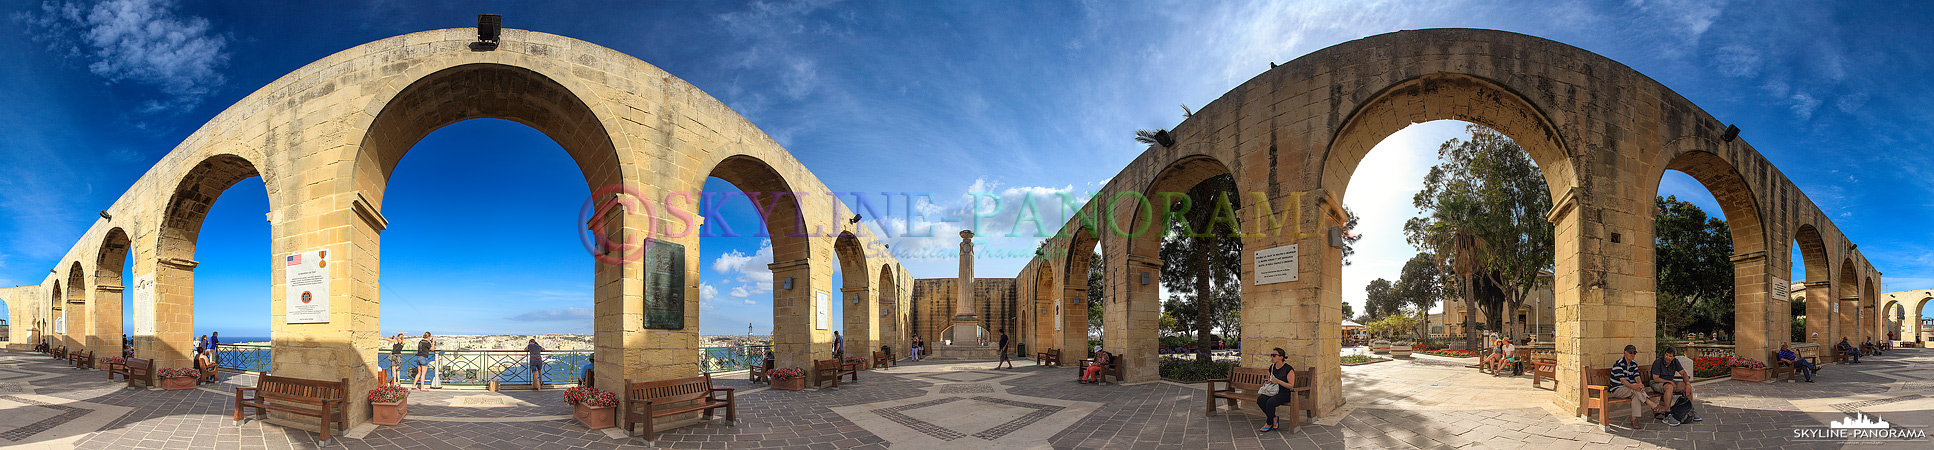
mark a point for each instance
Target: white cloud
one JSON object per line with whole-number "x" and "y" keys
{"x": 141, "y": 42}
{"x": 1383, "y": 202}
{"x": 751, "y": 269}
{"x": 707, "y": 296}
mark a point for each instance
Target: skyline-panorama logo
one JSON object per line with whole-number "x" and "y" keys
{"x": 1860, "y": 427}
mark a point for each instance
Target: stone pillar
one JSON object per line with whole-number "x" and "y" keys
{"x": 965, "y": 321}
{"x": 1073, "y": 337}
{"x": 796, "y": 341}
{"x": 1604, "y": 288}
{"x": 1819, "y": 312}
{"x": 1759, "y": 325}
{"x": 172, "y": 343}
{"x": 105, "y": 315}
{"x": 1847, "y": 320}
{"x": 1134, "y": 323}
{"x": 860, "y": 321}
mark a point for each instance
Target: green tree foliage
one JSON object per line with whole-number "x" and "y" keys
{"x": 1201, "y": 249}
{"x": 1096, "y": 289}
{"x": 1348, "y": 311}
{"x": 1695, "y": 270}
{"x": 1486, "y": 202}
{"x": 1380, "y": 300}
{"x": 1420, "y": 286}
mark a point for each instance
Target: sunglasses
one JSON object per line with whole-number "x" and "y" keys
{"x": 1275, "y": 355}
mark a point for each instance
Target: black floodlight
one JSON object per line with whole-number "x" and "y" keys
{"x": 489, "y": 29}
{"x": 1732, "y": 132}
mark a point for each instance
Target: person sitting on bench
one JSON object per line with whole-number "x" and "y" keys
{"x": 1806, "y": 368}
{"x": 1284, "y": 377}
{"x": 1626, "y": 384}
{"x": 1093, "y": 373}
{"x": 1671, "y": 378}
{"x": 1847, "y": 347}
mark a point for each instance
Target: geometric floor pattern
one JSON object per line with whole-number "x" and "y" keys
{"x": 1425, "y": 402}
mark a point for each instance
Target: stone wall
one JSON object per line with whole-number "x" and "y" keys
{"x": 994, "y": 302}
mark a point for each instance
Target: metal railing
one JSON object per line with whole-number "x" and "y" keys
{"x": 243, "y": 358}
{"x": 506, "y": 367}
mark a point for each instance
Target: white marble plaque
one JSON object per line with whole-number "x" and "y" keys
{"x": 1275, "y": 265}
{"x": 144, "y": 305}
{"x": 306, "y": 296}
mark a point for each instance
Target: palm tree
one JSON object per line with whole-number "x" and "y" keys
{"x": 1155, "y": 137}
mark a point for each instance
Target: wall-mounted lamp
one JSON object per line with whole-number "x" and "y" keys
{"x": 856, "y": 298}
{"x": 489, "y": 29}
{"x": 1144, "y": 278}
{"x": 788, "y": 283}
{"x": 1732, "y": 132}
{"x": 104, "y": 215}
{"x": 1336, "y": 237}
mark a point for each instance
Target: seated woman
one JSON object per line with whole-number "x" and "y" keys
{"x": 1093, "y": 373}
{"x": 1492, "y": 361}
{"x": 205, "y": 362}
{"x": 1284, "y": 378}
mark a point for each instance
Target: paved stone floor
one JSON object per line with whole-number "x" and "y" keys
{"x": 1424, "y": 402}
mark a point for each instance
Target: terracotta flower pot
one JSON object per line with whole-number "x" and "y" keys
{"x": 594, "y": 418}
{"x": 1745, "y": 374}
{"x": 390, "y": 413}
{"x": 178, "y": 383}
{"x": 789, "y": 384}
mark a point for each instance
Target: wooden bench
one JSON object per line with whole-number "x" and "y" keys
{"x": 835, "y": 368}
{"x": 113, "y": 368}
{"x": 881, "y": 360}
{"x": 647, "y": 400}
{"x": 1050, "y": 357}
{"x": 1244, "y": 382}
{"x": 1840, "y": 355}
{"x": 1113, "y": 368}
{"x": 1784, "y": 370}
{"x": 81, "y": 360}
{"x": 60, "y": 353}
{"x": 1598, "y": 395}
{"x": 324, "y": 400}
{"x": 1543, "y": 365}
{"x": 137, "y": 369}
{"x": 759, "y": 373}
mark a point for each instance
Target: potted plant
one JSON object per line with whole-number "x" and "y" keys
{"x": 1400, "y": 349}
{"x": 1745, "y": 369}
{"x": 788, "y": 379}
{"x": 178, "y": 378}
{"x": 389, "y": 404}
{"x": 1380, "y": 346}
{"x": 593, "y": 408}
{"x": 858, "y": 362}
{"x": 109, "y": 363}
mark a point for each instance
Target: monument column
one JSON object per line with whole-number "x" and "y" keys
{"x": 966, "y": 323}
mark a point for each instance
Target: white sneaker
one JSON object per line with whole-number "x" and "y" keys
{"x": 1669, "y": 420}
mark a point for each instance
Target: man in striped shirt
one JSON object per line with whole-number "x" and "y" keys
{"x": 1626, "y": 384}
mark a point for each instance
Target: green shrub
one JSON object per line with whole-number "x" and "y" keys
{"x": 1188, "y": 371}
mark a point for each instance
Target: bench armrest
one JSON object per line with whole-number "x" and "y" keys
{"x": 1224, "y": 381}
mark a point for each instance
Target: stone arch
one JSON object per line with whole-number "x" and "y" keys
{"x": 108, "y": 287}
{"x": 1819, "y": 270}
{"x": 1846, "y": 303}
{"x": 55, "y": 309}
{"x": 1754, "y": 329}
{"x": 1916, "y": 315}
{"x": 1448, "y": 96}
{"x": 858, "y": 309}
{"x": 180, "y": 229}
{"x": 1083, "y": 244}
{"x": 892, "y": 327}
{"x": 75, "y": 307}
{"x": 1870, "y": 312}
{"x": 795, "y": 340}
{"x": 1136, "y": 222}
{"x": 1048, "y": 322}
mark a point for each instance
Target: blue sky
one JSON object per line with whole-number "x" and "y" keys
{"x": 1011, "y": 98}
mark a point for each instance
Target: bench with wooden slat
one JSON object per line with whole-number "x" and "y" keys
{"x": 1051, "y": 357}
{"x": 1841, "y": 356}
{"x": 881, "y": 360}
{"x": 1112, "y": 369}
{"x": 137, "y": 369}
{"x": 1544, "y": 364}
{"x": 832, "y": 369}
{"x": 759, "y": 373}
{"x": 1598, "y": 393}
{"x": 324, "y": 400}
{"x": 648, "y": 400}
{"x": 81, "y": 360}
{"x": 1242, "y": 384}
{"x": 1784, "y": 370}
{"x": 60, "y": 353}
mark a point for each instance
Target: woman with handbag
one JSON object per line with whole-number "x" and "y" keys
{"x": 1277, "y": 390}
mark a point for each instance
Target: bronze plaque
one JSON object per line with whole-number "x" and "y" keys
{"x": 664, "y": 285}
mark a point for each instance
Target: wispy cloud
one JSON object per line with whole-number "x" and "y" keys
{"x": 142, "y": 42}
{"x": 554, "y": 315}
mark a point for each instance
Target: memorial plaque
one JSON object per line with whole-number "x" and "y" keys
{"x": 664, "y": 285}
{"x": 1275, "y": 265}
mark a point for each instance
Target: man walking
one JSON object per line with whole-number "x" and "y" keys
{"x": 839, "y": 347}
{"x": 1004, "y": 352}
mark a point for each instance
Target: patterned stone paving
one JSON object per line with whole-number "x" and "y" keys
{"x": 1427, "y": 402}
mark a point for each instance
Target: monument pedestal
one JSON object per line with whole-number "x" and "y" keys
{"x": 964, "y": 353}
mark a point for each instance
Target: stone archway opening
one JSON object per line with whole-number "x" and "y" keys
{"x": 1812, "y": 276}
{"x": 743, "y": 190}
{"x": 1084, "y": 290}
{"x": 855, "y": 302}
{"x": 74, "y": 309}
{"x": 1846, "y": 305}
{"x": 109, "y": 287}
{"x": 890, "y": 307}
{"x": 1692, "y": 283}
{"x": 165, "y": 329}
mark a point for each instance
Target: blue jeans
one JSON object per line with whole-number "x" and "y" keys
{"x": 1806, "y": 368}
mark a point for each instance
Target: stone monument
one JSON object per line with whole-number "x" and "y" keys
{"x": 966, "y": 325}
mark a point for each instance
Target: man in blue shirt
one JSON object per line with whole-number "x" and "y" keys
{"x": 1626, "y": 384}
{"x": 1847, "y": 348}
{"x": 839, "y": 347}
{"x": 1671, "y": 378}
{"x": 1805, "y": 367}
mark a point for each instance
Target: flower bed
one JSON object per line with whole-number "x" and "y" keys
{"x": 1188, "y": 371}
{"x": 1428, "y": 347}
{"x": 1354, "y": 360}
{"x": 1703, "y": 367}
{"x": 1452, "y": 353}
{"x": 590, "y": 397}
{"x": 178, "y": 372}
{"x": 388, "y": 394}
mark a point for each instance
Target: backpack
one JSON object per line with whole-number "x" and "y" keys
{"x": 1682, "y": 410}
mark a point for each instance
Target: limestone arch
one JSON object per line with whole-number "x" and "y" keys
{"x": 1870, "y": 322}
{"x": 1084, "y": 244}
{"x": 794, "y": 341}
{"x": 858, "y": 308}
{"x": 1448, "y": 96}
{"x": 55, "y": 311}
{"x": 1916, "y": 316}
{"x": 180, "y": 224}
{"x": 1754, "y": 329}
{"x": 888, "y": 304}
{"x": 108, "y": 291}
{"x": 1846, "y": 303}
{"x": 1818, "y": 272}
{"x": 75, "y": 308}
{"x": 1135, "y": 222}
{"x": 1045, "y": 311}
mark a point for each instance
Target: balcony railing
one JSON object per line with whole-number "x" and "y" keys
{"x": 506, "y": 367}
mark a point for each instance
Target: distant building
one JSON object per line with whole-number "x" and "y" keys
{"x": 933, "y": 306}
{"x": 1536, "y": 314}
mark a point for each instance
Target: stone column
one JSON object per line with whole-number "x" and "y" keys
{"x": 965, "y": 322}
{"x": 1759, "y": 324}
{"x": 1847, "y": 320}
{"x": 1073, "y": 337}
{"x": 1819, "y": 312}
{"x": 796, "y": 340}
{"x": 1134, "y": 323}
{"x": 860, "y": 321}
{"x": 172, "y": 343}
{"x": 105, "y": 315}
